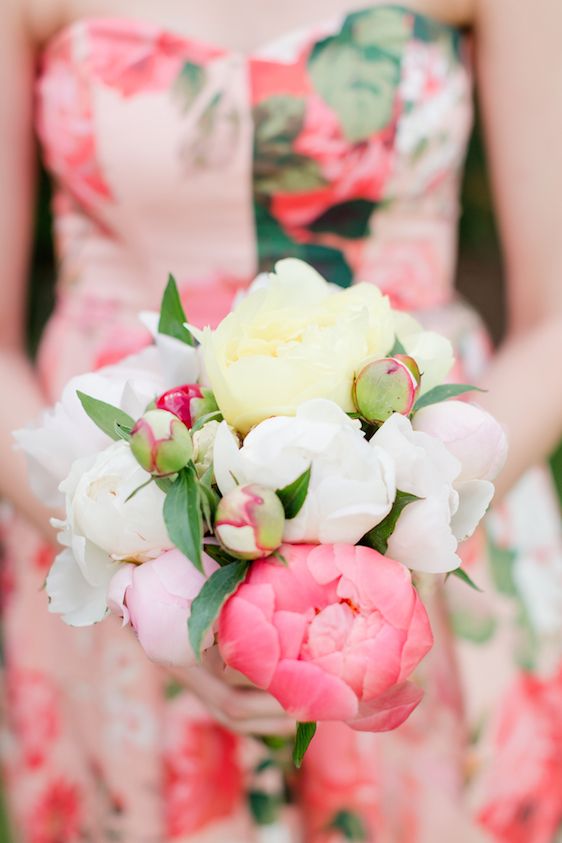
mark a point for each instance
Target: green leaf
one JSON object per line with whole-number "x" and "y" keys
{"x": 216, "y": 415}
{"x": 305, "y": 733}
{"x": 209, "y": 501}
{"x": 122, "y": 431}
{"x": 264, "y": 806}
{"x": 172, "y": 316}
{"x": 397, "y": 348}
{"x": 210, "y": 600}
{"x": 463, "y": 576}
{"x": 134, "y": 492}
{"x": 294, "y": 495}
{"x": 350, "y": 825}
{"x": 443, "y": 392}
{"x": 221, "y": 556}
{"x": 182, "y": 514}
{"x": 378, "y": 537}
{"x": 164, "y": 483}
{"x": 173, "y": 689}
{"x": 106, "y": 416}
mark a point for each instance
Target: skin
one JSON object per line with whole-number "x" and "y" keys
{"x": 519, "y": 78}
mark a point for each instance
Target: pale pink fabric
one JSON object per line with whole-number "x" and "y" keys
{"x": 160, "y": 151}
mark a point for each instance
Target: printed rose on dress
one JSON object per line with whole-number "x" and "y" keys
{"x": 333, "y": 635}
{"x": 522, "y": 786}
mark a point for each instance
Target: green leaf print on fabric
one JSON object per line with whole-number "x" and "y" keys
{"x": 189, "y": 84}
{"x": 357, "y": 72}
{"x": 472, "y": 627}
{"x": 348, "y": 219}
{"x": 277, "y": 168}
{"x": 274, "y": 243}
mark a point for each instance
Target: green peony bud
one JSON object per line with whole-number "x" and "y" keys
{"x": 161, "y": 443}
{"x": 386, "y": 386}
{"x": 249, "y": 522}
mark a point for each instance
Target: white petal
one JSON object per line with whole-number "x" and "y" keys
{"x": 474, "y": 499}
{"x": 71, "y": 596}
{"x": 227, "y": 463}
{"x": 423, "y": 539}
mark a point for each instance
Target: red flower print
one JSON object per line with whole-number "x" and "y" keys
{"x": 203, "y": 779}
{"x": 56, "y": 817}
{"x": 137, "y": 58}
{"x": 33, "y": 709}
{"x": 348, "y": 786}
{"x": 351, "y": 170}
{"x": 65, "y": 124}
{"x": 44, "y": 558}
{"x": 523, "y": 786}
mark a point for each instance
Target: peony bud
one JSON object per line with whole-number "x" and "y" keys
{"x": 249, "y": 522}
{"x": 161, "y": 443}
{"x": 188, "y": 402}
{"x": 203, "y": 446}
{"x": 386, "y": 386}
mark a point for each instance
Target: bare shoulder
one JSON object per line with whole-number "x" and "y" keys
{"x": 455, "y": 12}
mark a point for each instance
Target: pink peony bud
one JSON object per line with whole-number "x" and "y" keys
{"x": 249, "y": 521}
{"x": 161, "y": 443}
{"x": 188, "y": 402}
{"x": 386, "y": 386}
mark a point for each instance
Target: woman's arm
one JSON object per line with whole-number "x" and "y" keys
{"x": 519, "y": 65}
{"x": 20, "y": 396}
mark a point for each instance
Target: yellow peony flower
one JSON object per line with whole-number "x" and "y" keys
{"x": 294, "y": 339}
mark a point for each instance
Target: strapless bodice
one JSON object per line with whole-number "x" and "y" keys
{"x": 341, "y": 144}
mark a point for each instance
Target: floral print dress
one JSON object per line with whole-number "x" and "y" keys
{"x": 342, "y": 144}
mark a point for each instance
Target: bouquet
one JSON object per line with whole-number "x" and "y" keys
{"x": 268, "y": 487}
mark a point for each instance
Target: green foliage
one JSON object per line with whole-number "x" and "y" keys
{"x": 172, "y": 316}
{"x": 106, "y": 416}
{"x": 210, "y": 600}
{"x": 303, "y": 737}
{"x": 182, "y": 515}
{"x": 294, "y": 495}
{"x": 378, "y": 537}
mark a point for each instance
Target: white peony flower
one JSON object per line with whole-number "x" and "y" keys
{"x": 352, "y": 484}
{"x": 103, "y": 528}
{"x": 66, "y": 433}
{"x": 428, "y": 531}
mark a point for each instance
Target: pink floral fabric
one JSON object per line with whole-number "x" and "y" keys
{"x": 343, "y": 145}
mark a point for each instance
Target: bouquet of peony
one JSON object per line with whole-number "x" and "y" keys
{"x": 268, "y": 487}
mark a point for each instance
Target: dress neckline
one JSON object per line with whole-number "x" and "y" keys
{"x": 137, "y": 27}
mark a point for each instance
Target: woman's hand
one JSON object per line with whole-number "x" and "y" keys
{"x": 232, "y": 700}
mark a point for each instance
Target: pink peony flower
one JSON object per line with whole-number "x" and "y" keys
{"x": 155, "y": 599}
{"x": 523, "y": 787}
{"x": 333, "y": 635}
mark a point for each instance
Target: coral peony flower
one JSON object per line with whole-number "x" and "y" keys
{"x": 155, "y": 599}
{"x": 333, "y": 635}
